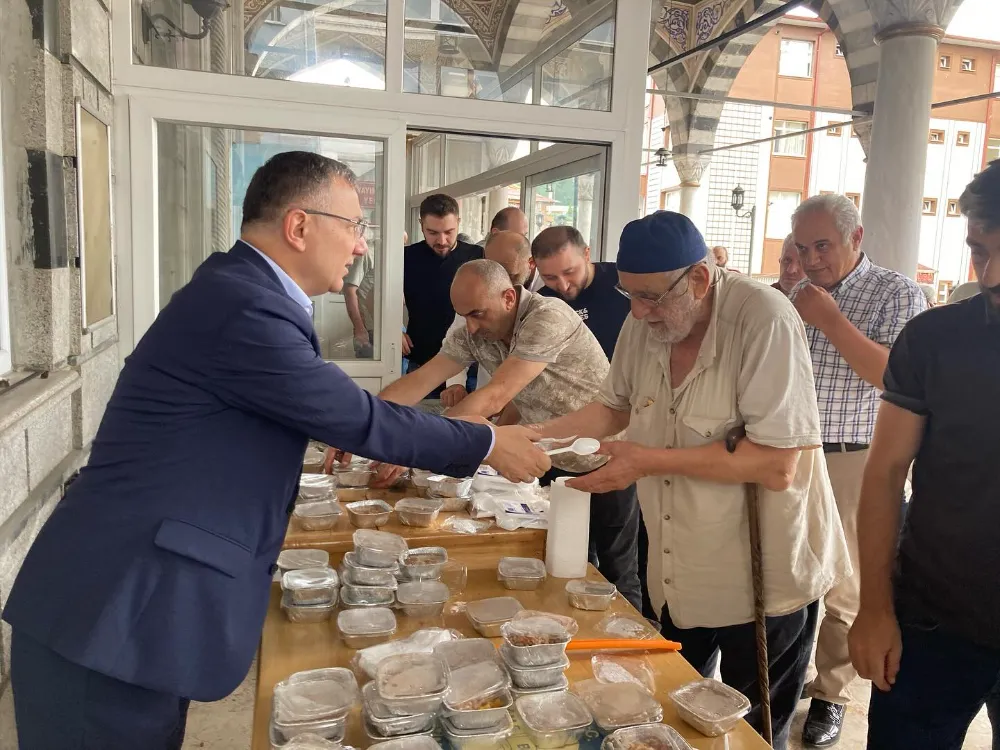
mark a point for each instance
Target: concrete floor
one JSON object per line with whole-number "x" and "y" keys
{"x": 225, "y": 725}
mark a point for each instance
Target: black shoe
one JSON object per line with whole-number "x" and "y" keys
{"x": 823, "y": 724}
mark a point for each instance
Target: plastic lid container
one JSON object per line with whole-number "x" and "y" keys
{"x": 308, "y": 578}
{"x": 352, "y": 563}
{"x": 375, "y": 621}
{"x": 590, "y": 595}
{"x": 556, "y": 687}
{"x": 488, "y": 615}
{"x": 409, "y": 676}
{"x": 462, "y": 653}
{"x": 310, "y": 741}
{"x": 553, "y": 719}
{"x": 380, "y": 577}
{"x": 418, "y": 511}
{"x": 646, "y": 737}
{"x": 369, "y": 514}
{"x": 422, "y": 598}
{"x": 532, "y": 678}
{"x": 422, "y": 563}
{"x": 318, "y": 515}
{"x": 710, "y": 706}
{"x": 366, "y": 596}
{"x": 309, "y": 611}
{"x": 530, "y": 628}
{"x": 387, "y": 724}
{"x": 487, "y": 738}
{"x": 520, "y": 567}
{"x": 421, "y": 642}
{"x": 613, "y": 668}
{"x": 483, "y": 715}
{"x": 380, "y": 541}
{"x": 353, "y": 477}
{"x": 439, "y": 485}
{"x": 470, "y": 687}
{"x": 618, "y": 705}
{"x": 315, "y": 694}
{"x": 294, "y": 559}
{"x": 421, "y": 742}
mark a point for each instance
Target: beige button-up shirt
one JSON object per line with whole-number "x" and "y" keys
{"x": 753, "y": 368}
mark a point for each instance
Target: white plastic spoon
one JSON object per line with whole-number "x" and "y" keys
{"x": 580, "y": 446}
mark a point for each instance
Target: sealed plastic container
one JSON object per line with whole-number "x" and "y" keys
{"x": 377, "y": 738}
{"x": 383, "y": 724}
{"x": 612, "y": 667}
{"x": 419, "y": 511}
{"x": 380, "y": 577}
{"x": 366, "y": 596}
{"x": 310, "y": 735}
{"x": 411, "y": 683}
{"x": 521, "y": 573}
{"x": 295, "y": 559}
{"x": 361, "y": 628}
{"x": 317, "y": 487}
{"x": 482, "y": 714}
{"x": 618, "y": 705}
{"x": 441, "y": 486}
{"x": 319, "y": 515}
{"x": 534, "y": 678}
{"x": 311, "y": 585}
{"x": 595, "y": 596}
{"x": 353, "y": 477}
{"x": 478, "y": 739}
{"x": 369, "y": 514}
{"x": 316, "y": 701}
{"x": 710, "y": 706}
{"x": 423, "y": 563}
{"x": 536, "y": 641}
{"x": 488, "y": 615}
{"x": 364, "y": 575}
{"x": 471, "y": 688}
{"x": 377, "y": 549}
{"x": 422, "y": 598}
{"x": 421, "y": 642}
{"x": 420, "y": 742}
{"x": 553, "y": 719}
{"x": 419, "y": 478}
{"x": 465, "y": 652}
{"x": 646, "y": 737}
{"x": 562, "y": 684}
{"x": 300, "y": 613}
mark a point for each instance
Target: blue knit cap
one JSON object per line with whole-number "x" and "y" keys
{"x": 662, "y": 241}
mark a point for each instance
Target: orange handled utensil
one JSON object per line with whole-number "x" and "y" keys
{"x": 622, "y": 644}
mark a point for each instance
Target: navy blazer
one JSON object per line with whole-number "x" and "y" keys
{"x": 156, "y": 566}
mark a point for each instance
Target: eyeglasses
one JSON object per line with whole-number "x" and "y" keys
{"x": 361, "y": 227}
{"x": 652, "y": 301}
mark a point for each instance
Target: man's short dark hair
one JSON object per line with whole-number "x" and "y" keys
{"x": 501, "y": 222}
{"x": 551, "y": 241}
{"x": 439, "y": 205}
{"x": 286, "y": 179}
{"x": 980, "y": 203}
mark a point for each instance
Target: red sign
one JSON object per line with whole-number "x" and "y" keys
{"x": 366, "y": 194}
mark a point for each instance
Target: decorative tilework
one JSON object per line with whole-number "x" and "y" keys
{"x": 675, "y": 22}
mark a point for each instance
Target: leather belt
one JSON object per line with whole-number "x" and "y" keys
{"x": 844, "y": 447}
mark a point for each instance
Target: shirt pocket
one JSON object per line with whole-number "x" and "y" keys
{"x": 701, "y": 430}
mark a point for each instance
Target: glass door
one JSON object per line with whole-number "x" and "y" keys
{"x": 572, "y": 194}
{"x": 192, "y": 186}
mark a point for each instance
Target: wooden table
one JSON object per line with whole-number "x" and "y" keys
{"x": 473, "y": 549}
{"x": 287, "y": 648}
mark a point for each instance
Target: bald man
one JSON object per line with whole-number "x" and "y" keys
{"x": 544, "y": 360}
{"x": 790, "y": 270}
{"x": 510, "y": 219}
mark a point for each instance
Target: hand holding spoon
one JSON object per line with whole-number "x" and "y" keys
{"x": 581, "y": 447}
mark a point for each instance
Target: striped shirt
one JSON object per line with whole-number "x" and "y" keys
{"x": 878, "y": 302}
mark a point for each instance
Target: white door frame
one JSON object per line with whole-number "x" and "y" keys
{"x": 594, "y": 163}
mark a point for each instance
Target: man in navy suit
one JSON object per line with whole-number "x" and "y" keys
{"x": 148, "y": 585}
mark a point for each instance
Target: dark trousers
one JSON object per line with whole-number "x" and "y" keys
{"x": 614, "y": 536}
{"x": 59, "y": 705}
{"x": 789, "y": 647}
{"x": 942, "y": 684}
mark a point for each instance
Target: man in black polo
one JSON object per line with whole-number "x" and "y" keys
{"x": 429, "y": 268}
{"x": 928, "y": 630}
{"x": 562, "y": 263}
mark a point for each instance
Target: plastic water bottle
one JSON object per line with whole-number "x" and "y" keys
{"x": 566, "y": 545}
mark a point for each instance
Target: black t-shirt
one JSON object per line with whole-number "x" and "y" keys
{"x": 427, "y": 281}
{"x": 945, "y": 366}
{"x": 602, "y": 307}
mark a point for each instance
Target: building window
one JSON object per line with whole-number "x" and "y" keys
{"x": 936, "y": 136}
{"x": 5, "y": 358}
{"x": 953, "y": 209}
{"x": 796, "y": 58}
{"x": 944, "y": 62}
{"x": 839, "y": 51}
{"x": 855, "y": 198}
{"x": 793, "y": 146}
{"x": 968, "y": 65}
{"x": 930, "y": 207}
{"x": 836, "y": 130}
{"x": 963, "y": 138}
{"x": 780, "y": 206}
{"x": 992, "y": 150}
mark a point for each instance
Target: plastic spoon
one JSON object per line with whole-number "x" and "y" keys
{"x": 580, "y": 446}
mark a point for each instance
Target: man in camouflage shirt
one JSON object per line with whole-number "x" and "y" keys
{"x": 543, "y": 363}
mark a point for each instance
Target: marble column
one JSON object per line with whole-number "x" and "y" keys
{"x": 897, "y": 156}
{"x": 690, "y": 169}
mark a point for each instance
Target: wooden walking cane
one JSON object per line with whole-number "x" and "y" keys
{"x": 733, "y": 437}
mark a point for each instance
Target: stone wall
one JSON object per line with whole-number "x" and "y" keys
{"x": 54, "y": 52}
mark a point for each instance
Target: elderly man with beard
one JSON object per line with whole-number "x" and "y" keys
{"x": 704, "y": 352}
{"x": 928, "y": 631}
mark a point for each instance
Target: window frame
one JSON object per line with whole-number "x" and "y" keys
{"x": 6, "y": 358}
{"x": 992, "y": 145}
{"x": 929, "y": 207}
{"x": 953, "y": 207}
{"x": 967, "y": 138}
{"x": 838, "y": 51}
{"x": 944, "y": 62}
{"x": 971, "y": 68}
{"x": 837, "y": 131}
{"x": 812, "y": 59}
{"x": 855, "y": 198}
{"x": 939, "y": 141}
{"x": 780, "y": 143}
